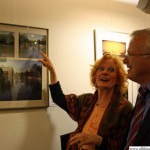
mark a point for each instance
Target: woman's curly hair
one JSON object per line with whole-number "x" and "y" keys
{"x": 121, "y": 85}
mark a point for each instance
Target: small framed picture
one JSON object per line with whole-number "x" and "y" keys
{"x": 110, "y": 42}
{"x": 6, "y": 44}
{"x": 30, "y": 45}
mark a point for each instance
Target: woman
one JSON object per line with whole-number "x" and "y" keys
{"x": 101, "y": 117}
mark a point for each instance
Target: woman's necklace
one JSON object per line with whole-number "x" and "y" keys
{"x": 102, "y": 104}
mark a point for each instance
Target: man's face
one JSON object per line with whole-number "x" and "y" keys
{"x": 138, "y": 65}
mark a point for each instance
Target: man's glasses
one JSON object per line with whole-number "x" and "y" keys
{"x": 128, "y": 55}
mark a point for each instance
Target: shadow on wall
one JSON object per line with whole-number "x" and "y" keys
{"x": 26, "y": 130}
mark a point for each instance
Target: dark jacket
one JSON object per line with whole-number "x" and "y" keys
{"x": 143, "y": 135}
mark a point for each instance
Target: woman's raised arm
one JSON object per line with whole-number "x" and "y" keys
{"x": 47, "y": 63}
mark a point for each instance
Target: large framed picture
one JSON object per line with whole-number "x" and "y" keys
{"x": 115, "y": 43}
{"x": 23, "y": 80}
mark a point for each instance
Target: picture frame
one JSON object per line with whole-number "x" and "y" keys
{"x": 113, "y": 38}
{"x": 23, "y": 80}
{"x": 102, "y": 40}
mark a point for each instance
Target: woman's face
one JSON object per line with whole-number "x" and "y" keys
{"x": 106, "y": 75}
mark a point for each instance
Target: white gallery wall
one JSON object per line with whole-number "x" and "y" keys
{"x": 71, "y": 48}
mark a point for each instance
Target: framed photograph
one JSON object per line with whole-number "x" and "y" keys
{"x": 23, "y": 80}
{"x": 6, "y": 44}
{"x": 110, "y": 42}
{"x": 114, "y": 43}
{"x": 30, "y": 45}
